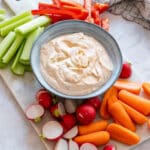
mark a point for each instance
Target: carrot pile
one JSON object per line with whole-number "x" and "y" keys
{"x": 65, "y": 9}
{"x": 123, "y": 103}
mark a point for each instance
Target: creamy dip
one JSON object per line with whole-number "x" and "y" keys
{"x": 75, "y": 64}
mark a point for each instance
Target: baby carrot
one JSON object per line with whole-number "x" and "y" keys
{"x": 93, "y": 127}
{"x": 146, "y": 87}
{"x": 139, "y": 103}
{"x": 112, "y": 99}
{"x": 136, "y": 116}
{"x": 133, "y": 87}
{"x": 96, "y": 138}
{"x": 119, "y": 114}
{"x": 121, "y": 134}
{"x": 103, "y": 109}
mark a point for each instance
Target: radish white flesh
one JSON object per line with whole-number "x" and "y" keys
{"x": 52, "y": 130}
{"x": 88, "y": 146}
{"x": 71, "y": 133}
{"x": 34, "y": 111}
{"x": 73, "y": 145}
{"x": 61, "y": 109}
{"x": 61, "y": 145}
{"x": 70, "y": 106}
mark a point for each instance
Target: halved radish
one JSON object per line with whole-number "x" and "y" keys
{"x": 35, "y": 112}
{"x": 110, "y": 147}
{"x": 52, "y": 130}
{"x": 44, "y": 98}
{"x": 70, "y": 106}
{"x": 71, "y": 133}
{"x": 73, "y": 145}
{"x": 61, "y": 145}
{"x": 57, "y": 110}
{"x": 88, "y": 146}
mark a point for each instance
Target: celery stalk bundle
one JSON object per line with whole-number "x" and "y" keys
{"x": 19, "y": 34}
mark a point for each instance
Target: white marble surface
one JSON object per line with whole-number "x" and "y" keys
{"x": 15, "y": 131}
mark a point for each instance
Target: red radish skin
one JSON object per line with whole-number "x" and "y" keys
{"x": 95, "y": 102}
{"x": 44, "y": 98}
{"x": 61, "y": 145}
{"x": 85, "y": 114}
{"x": 70, "y": 106}
{"x": 69, "y": 121}
{"x": 73, "y": 145}
{"x": 71, "y": 133}
{"x": 57, "y": 110}
{"x": 35, "y": 112}
{"x": 110, "y": 147}
{"x": 52, "y": 130}
{"x": 126, "y": 70}
{"x": 88, "y": 146}
{"x": 65, "y": 128}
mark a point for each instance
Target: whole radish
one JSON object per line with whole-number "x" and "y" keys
{"x": 85, "y": 114}
{"x": 44, "y": 98}
{"x": 57, "y": 110}
{"x": 52, "y": 130}
{"x": 68, "y": 121}
{"x": 126, "y": 70}
{"x": 110, "y": 147}
{"x": 35, "y": 112}
{"x": 95, "y": 102}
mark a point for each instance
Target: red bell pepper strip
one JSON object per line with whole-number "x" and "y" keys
{"x": 68, "y": 13}
{"x": 70, "y": 3}
{"x": 71, "y": 8}
{"x": 105, "y": 23}
{"x": 47, "y": 6}
{"x": 84, "y": 14}
{"x": 96, "y": 16}
{"x": 57, "y": 3}
{"x": 101, "y": 7}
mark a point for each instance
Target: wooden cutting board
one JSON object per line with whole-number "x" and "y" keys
{"x": 24, "y": 88}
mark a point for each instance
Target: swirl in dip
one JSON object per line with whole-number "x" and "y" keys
{"x": 75, "y": 64}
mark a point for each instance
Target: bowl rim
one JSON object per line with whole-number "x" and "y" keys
{"x": 86, "y": 96}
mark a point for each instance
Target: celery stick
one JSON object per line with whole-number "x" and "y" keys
{"x": 5, "y": 30}
{"x": 17, "y": 67}
{"x": 25, "y": 56}
{"x": 2, "y": 11}
{"x": 5, "y": 44}
{"x": 32, "y": 25}
{"x": 14, "y": 19}
{"x": 12, "y": 50}
{"x": 2, "y": 17}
